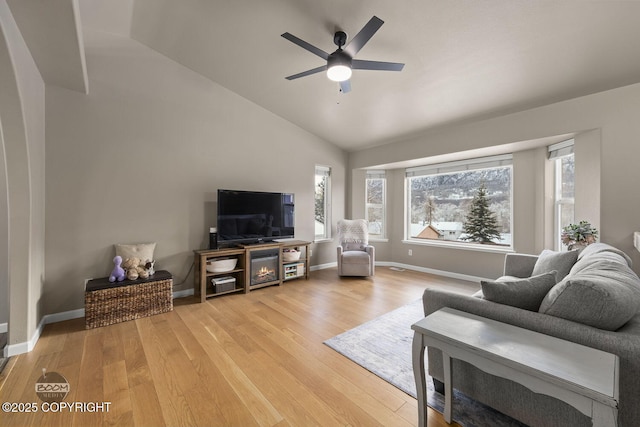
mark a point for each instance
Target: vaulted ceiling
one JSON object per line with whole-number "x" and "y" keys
{"x": 465, "y": 59}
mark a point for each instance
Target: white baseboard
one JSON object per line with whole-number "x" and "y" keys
{"x": 183, "y": 293}
{"x": 411, "y": 267}
{"x": 61, "y": 317}
{"x": 25, "y": 347}
{"x": 432, "y": 271}
{"x": 323, "y": 266}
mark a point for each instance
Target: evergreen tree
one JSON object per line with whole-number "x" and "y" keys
{"x": 481, "y": 224}
{"x": 319, "y": 201}
{"x": 430, "y": 209}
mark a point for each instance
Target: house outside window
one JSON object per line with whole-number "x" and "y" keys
{"x": 461, "y": 203}
{"x": 564, "y": 185}
{"x": 375, "y": 213}
{"x": 322, "y": 193}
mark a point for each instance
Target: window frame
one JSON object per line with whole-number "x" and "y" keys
{"x": 382, "y": 176}
{"x": 479, "y": 163}
{"x": 557, "y": 152}
{"x": 325, "y": 173}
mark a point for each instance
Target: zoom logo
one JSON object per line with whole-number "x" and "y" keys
{"x": 52, "y": 387}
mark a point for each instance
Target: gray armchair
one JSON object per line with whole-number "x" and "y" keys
{"x": 355, "y": 256}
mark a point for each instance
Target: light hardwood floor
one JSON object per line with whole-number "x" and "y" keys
{"x": 236, "y": 360}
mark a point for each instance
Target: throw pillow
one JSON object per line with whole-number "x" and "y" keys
{"x": 558, "y": 261}
{"x": 606, "y": 296}
{"x": 353, "y": 231}
{"x": 522, "y": 293}
{"x": 143, "y": 251}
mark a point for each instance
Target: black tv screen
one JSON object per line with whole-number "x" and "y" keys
{"x": 254, "y": 216}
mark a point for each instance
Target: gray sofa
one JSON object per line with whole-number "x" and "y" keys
{"x": 593, "y": 299}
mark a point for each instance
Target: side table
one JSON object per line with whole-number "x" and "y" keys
{"x": 583, "y": 377}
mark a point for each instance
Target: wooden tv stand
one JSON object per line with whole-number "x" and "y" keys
{"x": 202, "y": 283}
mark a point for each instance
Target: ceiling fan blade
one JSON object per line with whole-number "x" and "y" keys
{"x": 345, "y": 86}
{"x": 358, "y": 64}
{"x": 363, "y": 36}
{"x": 307, "y": 46}
{"x": 307, "y": 73}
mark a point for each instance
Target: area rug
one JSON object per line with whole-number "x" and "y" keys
{"x": 383, "y": 346}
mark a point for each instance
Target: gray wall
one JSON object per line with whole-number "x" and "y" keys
{"x": 22, "y": 126}
{"x": 605, "y": 126}
{"x": 4, "y": 238}
{"x": 140, "y": 158}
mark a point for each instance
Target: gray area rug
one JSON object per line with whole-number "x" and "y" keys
{"x": 383, "y": 346}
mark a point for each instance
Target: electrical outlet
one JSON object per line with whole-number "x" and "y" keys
{"x": 310, "y": 252}
{"x": 410, "y": 252}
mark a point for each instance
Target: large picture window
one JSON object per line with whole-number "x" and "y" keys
{"x": 564, "y": 167}
{"x": 461, "y": 202}
{"x": 376, "y": 187}
{"x": 322, "y": 203}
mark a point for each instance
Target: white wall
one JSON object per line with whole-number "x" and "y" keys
{"x": 605, "y": 122}
{"x": 140, "y": 159}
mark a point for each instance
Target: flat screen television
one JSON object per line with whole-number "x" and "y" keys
{"x": 246, "y": 217}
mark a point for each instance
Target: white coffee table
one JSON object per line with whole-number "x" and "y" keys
{"x": 581, "y": 376}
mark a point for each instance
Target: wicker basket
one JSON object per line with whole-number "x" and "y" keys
{"x": 109, "y": 303}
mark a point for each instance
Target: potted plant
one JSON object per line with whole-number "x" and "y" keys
{"x": 576, "y": 236}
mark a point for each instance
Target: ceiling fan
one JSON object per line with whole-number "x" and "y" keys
{"x": 340, "y": 63}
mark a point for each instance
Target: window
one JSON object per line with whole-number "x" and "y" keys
{"x": 461, "y": 202}
{"x": 376, "y": 203}
{"x": 564, "y": 170}
{"x": 322, "y": 203}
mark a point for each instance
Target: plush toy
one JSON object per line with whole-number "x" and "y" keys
{"x": 143, "y": 273}
{"x": 131, "y": 266}
{"x": 150, "y": 266}
{"x": 118, "y": 272}
{"x": 135, "y": 270}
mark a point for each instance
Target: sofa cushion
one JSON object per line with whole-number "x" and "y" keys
{"x": 605, "y": 250}
{"x": 604, "y": 294}
{"x": 599, "y": 252}
{"x": 522, "y": 293}
{"x": 356, "y": 257}
{"x": 558, "y": 261}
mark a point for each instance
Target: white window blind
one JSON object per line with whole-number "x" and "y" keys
{"x": 376, "y": 174}
{"x": 323, "y": 171}
{"x": 459, "y": 166}
{"x": 561, "y": 149}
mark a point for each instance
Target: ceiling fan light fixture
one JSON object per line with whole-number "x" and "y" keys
{"x": 339, "y": 66}
{"x": 341, "y": 63}
{"x": 339, "y": 73}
